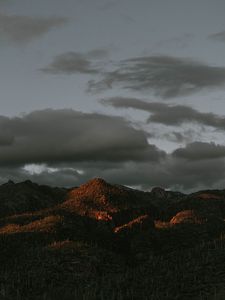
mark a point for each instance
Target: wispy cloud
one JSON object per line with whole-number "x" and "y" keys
{"x": 76, "y": 62}
{"x": 219, "y": 36}
{"x": 23, "y": 29}
{"x": 166, "y": 76}
{"x": 168, "y": 114}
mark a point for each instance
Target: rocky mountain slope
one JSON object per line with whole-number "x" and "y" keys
{"x": 105, "y": 241}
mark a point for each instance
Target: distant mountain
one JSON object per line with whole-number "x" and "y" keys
{"x": 28, "y": 196}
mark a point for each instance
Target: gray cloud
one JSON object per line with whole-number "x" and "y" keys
{"x": 66, "y": 148}
{"x": 166, "y": 76}
{"x": 200, "y": 151}
{"x": 63, "y": 177}
{"x": 6, "y": 140}
{"x": 23, "y": 29}
{"x": 219, "y": 36}
{"x": 187, "y": 171}
{"x": 187, "y": 174}
{"x": 50, "y": 136}
{"x": 172, "y": 172}
{"x": 168, "y": 114}
{"x": 75, "y": 62}
{"x": 178, "y": 137}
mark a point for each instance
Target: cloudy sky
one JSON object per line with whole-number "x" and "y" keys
{"x": 129, "y": 90}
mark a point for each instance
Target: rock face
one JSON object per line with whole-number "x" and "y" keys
{"x": 159, "y": 192}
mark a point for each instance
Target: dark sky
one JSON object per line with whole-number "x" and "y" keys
{"x": 129, "y": 90}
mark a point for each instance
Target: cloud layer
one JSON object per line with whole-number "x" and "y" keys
{"x": 200, "y": 151}
{"x": 67, "y": 147}
{"x": 71, "y": 136}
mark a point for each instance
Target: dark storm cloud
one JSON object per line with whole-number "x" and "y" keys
{"x": 166, "y": 76}
{"x": 195, "y": 174}
{"x": 22, "y": 29}
{"x": 200, "y": 150}
{"x": 6, "y": 140}
{"x": 68, "y": 136}
{"x": 74, "y": 62}
{"x": 62, "y": 177}
{"x": 72, "y": 147}
{"x": 172, "y": 172}
{"x": 219, "y": 36}
{"x": 168, "y": 114}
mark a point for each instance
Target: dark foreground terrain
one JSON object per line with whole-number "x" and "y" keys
{"x": 103, "y": 241}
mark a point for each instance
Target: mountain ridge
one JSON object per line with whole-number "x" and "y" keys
{"x": 56, "y": 242}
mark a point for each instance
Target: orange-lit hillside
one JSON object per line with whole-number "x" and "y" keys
{"x": 102, "y": 201}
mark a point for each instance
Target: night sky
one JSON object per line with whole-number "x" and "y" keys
{"x": 131, "y": 90}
